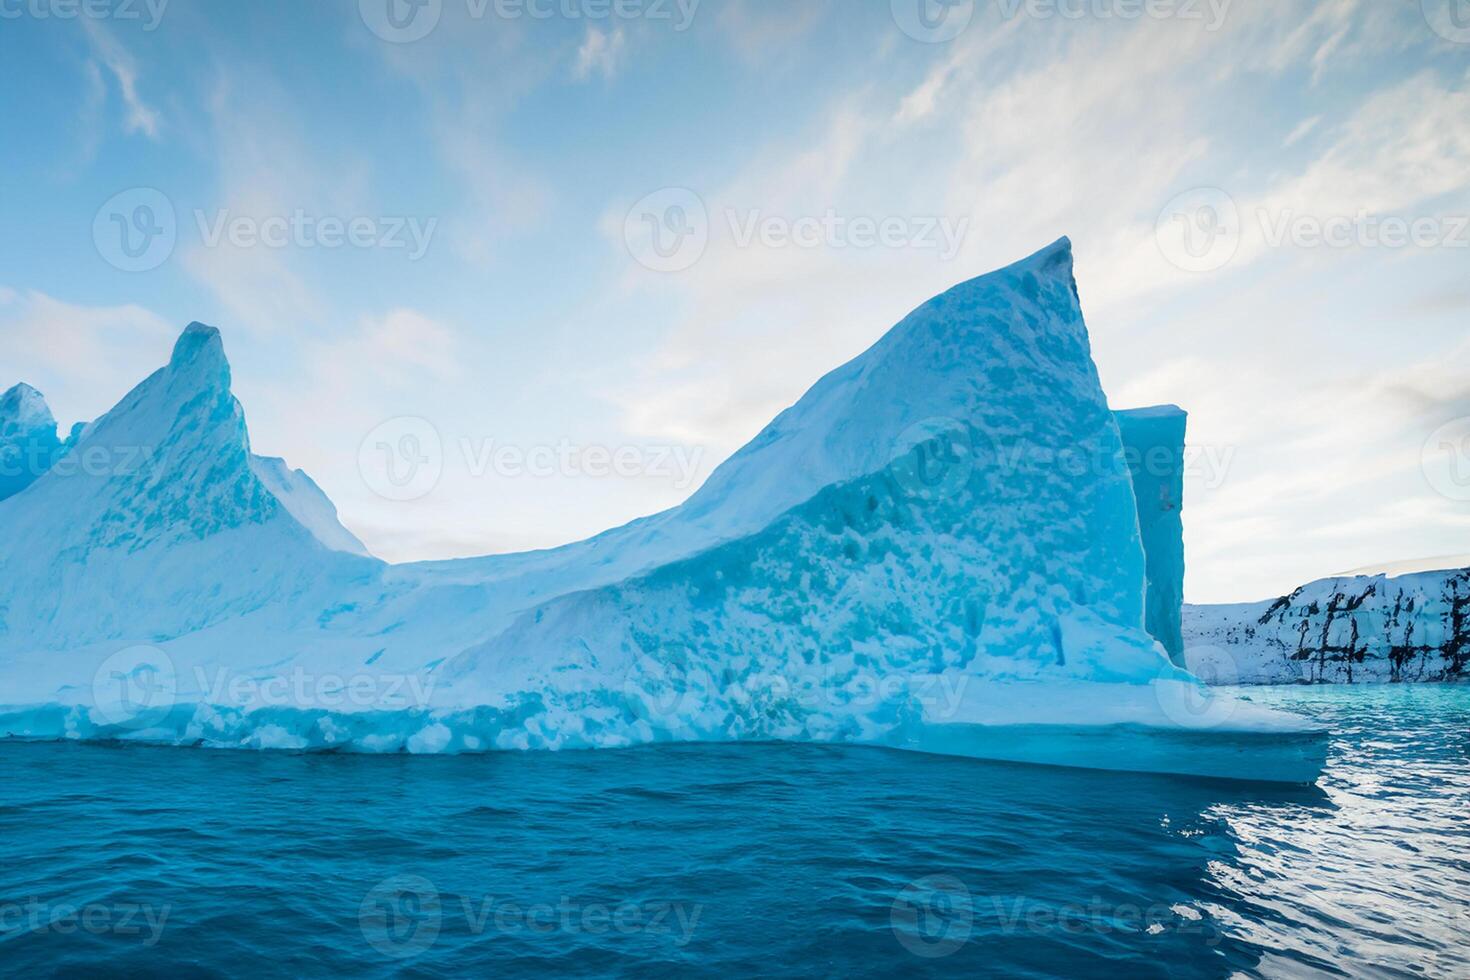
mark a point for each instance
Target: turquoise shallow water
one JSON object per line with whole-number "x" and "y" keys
{"x": 743, "y": 859}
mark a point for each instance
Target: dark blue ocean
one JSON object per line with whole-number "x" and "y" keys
{"x": 742, "y": 860}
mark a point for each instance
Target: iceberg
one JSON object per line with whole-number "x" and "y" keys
{"x": 937, "y": 548}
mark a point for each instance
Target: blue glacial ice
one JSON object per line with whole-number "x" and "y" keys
{"x": 937, "y": 548}
{"x": 28, "y": 442}
{"x": 1153, "y": 444}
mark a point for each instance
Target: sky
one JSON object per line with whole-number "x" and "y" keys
{"x": 565, "y": 256}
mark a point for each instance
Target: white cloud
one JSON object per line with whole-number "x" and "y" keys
{"x": 1302, "y": 131}
{"x": 83, "y": 358}
{"x": 141, "y": 117}
{"x": 601, "y": 53}
{"x": 267, "y": 166}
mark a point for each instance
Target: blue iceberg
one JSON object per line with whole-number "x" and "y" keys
{"x": 938, "y": 548}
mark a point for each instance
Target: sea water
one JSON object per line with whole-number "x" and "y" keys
{"x": 747, "y": 859}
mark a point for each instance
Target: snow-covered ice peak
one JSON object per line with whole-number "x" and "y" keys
{"x": 28, "y": 443}
{"x": 23, "y": 408}
{"x": 170, "y": 461}
{"x": 200, "y": 349}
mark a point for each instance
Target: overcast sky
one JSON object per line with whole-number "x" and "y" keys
{"x": 630, "y": 233}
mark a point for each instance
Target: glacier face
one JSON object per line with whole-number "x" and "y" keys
{"x": 1353, "y": 629}
{"x": 1153, "y": 443}
{"x": 947, "y": 516}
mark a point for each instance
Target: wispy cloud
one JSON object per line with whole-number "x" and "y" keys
{"x": 601, "y": 53}
{"x": 140, "y": 117}
{"x": 83, "y": 358}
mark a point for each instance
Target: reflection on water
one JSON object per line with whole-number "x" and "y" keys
{"x": 754, "y": 859}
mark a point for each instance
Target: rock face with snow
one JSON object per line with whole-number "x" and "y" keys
{"x": 1351, "y": 630}
{"x": 1153, "y": 443}
{"x": 28, "y": 442}
{"x": 901, "y": 558}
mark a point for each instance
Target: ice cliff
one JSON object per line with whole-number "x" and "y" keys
{"x": 1153, "y": 443}
{"x": 1351, "y": 629}
{"x": 938, "y": 547}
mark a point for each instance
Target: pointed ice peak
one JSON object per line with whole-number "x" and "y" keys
{"x": 198, "y": 341}
{"x": 25, "y": 407}
{"x": 28, "y": 443}
{"x": 200, "y": 355}
{"x": 1055, "y": 257}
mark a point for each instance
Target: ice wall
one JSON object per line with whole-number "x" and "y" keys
{"x": 1153, "y": 442}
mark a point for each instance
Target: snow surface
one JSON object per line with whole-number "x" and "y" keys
{"x": 306, "y": 502}
{"x": 896, "y": 557}
{"x": 1347, "y": 629}
{"x": 1153, "y": 441}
